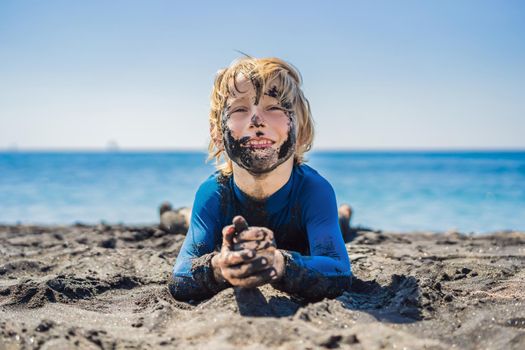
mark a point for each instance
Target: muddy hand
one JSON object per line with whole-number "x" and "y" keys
{"x": 268, "y": 263}
{"x": 228, "y": 257}
{"x": 254, "y": 238}
{"x": 240, "y": 224}
{"x": 264, "y": 268}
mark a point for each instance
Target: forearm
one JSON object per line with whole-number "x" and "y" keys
{"x": 201, "y": 285}
{"x": 298, "y": 279}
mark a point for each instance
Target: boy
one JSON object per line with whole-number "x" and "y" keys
{"x": 264, "y": 216}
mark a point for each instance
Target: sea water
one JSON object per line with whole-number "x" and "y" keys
{"x": 399, "y": 191}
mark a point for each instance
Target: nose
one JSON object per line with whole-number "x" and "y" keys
{"x": 257, "y": 121}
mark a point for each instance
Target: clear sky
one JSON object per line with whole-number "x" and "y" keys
{"x": 378, "y": 74}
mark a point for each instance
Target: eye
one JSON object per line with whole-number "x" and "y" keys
{"x": 240, "y": 109}
{"x": 275, "y": 108}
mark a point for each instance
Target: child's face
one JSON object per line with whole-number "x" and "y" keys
{"x": 259, "y": 134}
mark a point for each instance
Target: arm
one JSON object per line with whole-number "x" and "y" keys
{"x": 200, "y": 283}
{"x": 193, "y": 276}
{"x": 306, "y": 282}
{"x": 326, "y": 272}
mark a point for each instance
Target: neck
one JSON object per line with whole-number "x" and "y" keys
{"x": 264, "y": 185}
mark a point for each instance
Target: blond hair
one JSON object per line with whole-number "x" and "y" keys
{"x": 261, "y": 71}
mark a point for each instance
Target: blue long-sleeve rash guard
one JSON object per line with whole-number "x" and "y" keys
{"x": 303, "y": 216}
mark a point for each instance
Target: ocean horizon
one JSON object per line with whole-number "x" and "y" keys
{"x": 396, "y": 190}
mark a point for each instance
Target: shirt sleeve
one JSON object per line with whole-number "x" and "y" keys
{"x": 192, "y": 277}
{"x": 326, "y": 272}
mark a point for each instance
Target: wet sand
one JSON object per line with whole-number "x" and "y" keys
{"x": 104, "y": 287}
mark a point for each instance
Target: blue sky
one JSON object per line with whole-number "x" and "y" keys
{"x": 378, "y": 74}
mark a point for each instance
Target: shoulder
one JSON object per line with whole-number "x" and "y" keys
{"x": 213, "y": 185}
{"x": 212, "y": 189}
{"x": 311, "y": 181}
{"x": 211, "y": 206}
{"x": 317, "y": 200}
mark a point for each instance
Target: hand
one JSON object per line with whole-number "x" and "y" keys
{"x": 249, "y": 257}
{"x": 268, "y": 263}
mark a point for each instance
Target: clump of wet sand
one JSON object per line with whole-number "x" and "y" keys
{"x": 105, "y": 287}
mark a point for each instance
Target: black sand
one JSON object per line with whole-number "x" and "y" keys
{"x": 105, "y": 287}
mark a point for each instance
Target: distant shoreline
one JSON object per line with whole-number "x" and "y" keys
{"x": 150, "y": 225}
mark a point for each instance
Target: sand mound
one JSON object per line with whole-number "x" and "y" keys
{"x": 105, "y": 287}
{"x": 63, "y": 289}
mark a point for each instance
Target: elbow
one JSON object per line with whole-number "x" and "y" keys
{"x": 181, "y": 288}
{"x": 343, "y": 269}
{"x": 338, "y": 267}
{"x": 194, "y": 280}
{"x": 330, "y": 284}
{"x": 331, "y": 287}
{"x": 187, "y": 289}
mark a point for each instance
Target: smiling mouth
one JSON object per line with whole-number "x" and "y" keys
{"x": 261, "y": 143}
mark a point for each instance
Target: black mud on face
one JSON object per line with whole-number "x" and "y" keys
{"x": 288, "y": 146}
{"x": 257, "y": 85}
{"x": 275, "y": 93}
{"x": 258, "y": 161}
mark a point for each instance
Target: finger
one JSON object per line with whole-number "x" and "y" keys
{"x": 269, "y": 256}
{"x": 268, "y": 232}
{"x": 237, "y": 257}
{"x": 258, "y": 279}
{"x": 248, "y": 269}
{"x": 251, "y": 234}
{"x": 253, "y": 245}
{"x": 227, "y": 234}
{"x": 240, "y": 223}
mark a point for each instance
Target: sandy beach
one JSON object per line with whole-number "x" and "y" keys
{"x": 105, "y": 287}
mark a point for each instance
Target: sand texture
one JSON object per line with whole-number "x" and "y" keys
{"x": 105, "y": 287}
